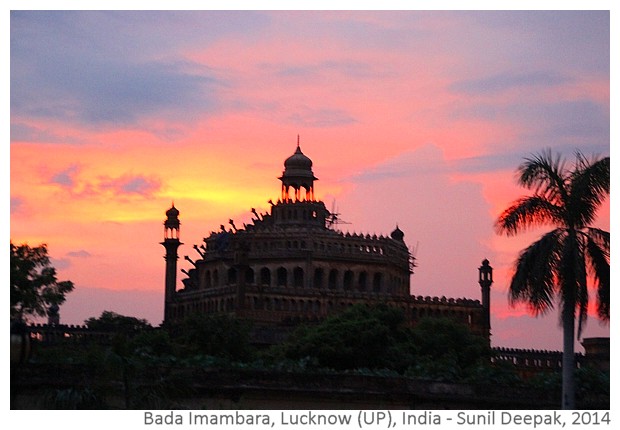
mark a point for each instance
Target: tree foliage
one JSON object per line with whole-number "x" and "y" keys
{"x": 557, "y": 267}
{"x": 360, "y": 337}
{"x": 447, "y": 349}
{"x": 111, "y": 321}
{"x": 34, "y": 287}
{"x": 218, "y": 335}
{"x": 377, "y": 337}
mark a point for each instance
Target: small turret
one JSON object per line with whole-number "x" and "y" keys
{"x": 398, "y": 234}
{"x": 298, "y": 175}
{"x": 172, "y": 225}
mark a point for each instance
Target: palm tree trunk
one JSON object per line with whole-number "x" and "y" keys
{"x": 568, "y": 360}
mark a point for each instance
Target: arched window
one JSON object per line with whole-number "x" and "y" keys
{"x": 377, "y": 282}
{"x": 298, "y": 277}
{"x": 362, "y": 281}
{"x": 216, "y": 278}
{"x": 232, "y": 276}
{"x": 265, "y": 276}
{"x": 318, "y": 278}
{"x": 249, "y": 276}
{"x": 348, "y": 280}
{"x": 282, "y": 277}
{"x": 332, "y": 282}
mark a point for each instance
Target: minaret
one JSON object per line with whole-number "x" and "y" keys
{"x": 485, "y": 279}
{"x": 172, "y": 227}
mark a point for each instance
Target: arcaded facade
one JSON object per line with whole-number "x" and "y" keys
{"x": 292, "y": 264}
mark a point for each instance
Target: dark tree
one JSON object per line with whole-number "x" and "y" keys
{"x": 111, "y": 321}
{"x": 447, "y": 349}
{"x": 361, "y": 337}
{"x": 34, "y": 287}
{"x": 556, "y": 267}
{"x": 221, "y": 336}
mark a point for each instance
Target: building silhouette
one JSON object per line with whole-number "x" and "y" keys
{"x": 293, "y": 265}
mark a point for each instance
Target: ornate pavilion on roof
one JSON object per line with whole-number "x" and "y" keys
{"x": 292, "y": 265}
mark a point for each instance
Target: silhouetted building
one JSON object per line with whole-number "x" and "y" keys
{"x": 597, "y": 352}
{"x": 292, "y": 264}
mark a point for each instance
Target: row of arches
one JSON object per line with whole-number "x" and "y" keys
{"x": 296, "y": 214}
{"x": 296, "y": 277}
{"x": 322, "y": 246}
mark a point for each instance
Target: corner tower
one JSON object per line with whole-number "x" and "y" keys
{"x": 485, "y": 279}
{"x": 172, "y": 228}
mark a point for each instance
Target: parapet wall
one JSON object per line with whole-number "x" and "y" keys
{"x": 530, "y": 361}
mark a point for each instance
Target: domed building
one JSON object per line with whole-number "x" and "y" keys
{"x": 293, "y": 265}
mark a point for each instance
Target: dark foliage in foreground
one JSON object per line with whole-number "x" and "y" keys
{"x": 377, "y": 337}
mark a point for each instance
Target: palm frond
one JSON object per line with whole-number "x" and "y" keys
{"x": 545, "y": 175}
{"x": 600, "y": 237}
{"x": 598, "y": 258}
{"x": 528, "y": 212}
{"x": 534, "y": 278}
{"x": 589, "y": 186}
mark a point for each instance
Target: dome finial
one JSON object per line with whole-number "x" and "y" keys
{"x": 297, "y": 140}
{"x": 397, "y": 234}
{"x": 172, "y": 213}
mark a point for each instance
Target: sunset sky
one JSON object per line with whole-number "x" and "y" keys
{"x": 417, "y": 119}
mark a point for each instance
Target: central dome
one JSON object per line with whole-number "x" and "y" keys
{"x": 298, "y": 161}
{"x": 298, "y": 166}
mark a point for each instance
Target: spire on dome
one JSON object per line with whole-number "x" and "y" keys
{"x": 398, "y": 234}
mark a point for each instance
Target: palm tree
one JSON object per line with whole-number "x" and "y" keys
{"x": 556, "y": 267}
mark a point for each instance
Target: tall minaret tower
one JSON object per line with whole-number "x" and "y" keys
{"x": 172, "y": 227}
{"x": 485, "y": 279}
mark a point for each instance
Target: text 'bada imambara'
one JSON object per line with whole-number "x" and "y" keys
{"x": 292, "y": 265}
